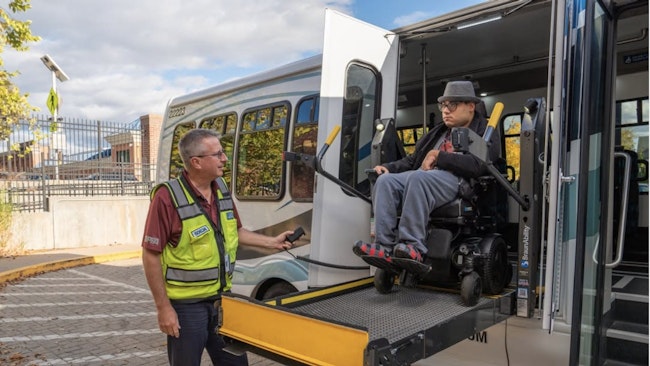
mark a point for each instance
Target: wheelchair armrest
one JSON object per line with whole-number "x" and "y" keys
{"x": 372, "y": 175}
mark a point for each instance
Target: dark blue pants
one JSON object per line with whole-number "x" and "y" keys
{"x": 198, "y": 323}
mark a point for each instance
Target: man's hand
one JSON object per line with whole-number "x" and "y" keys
{"x": 380, "y": 169}
{"x": 167, "y": 317}
{"x": 247, "y": 237}
{"x": 281, "y": 242}
{"x": 430, "y": 160}
{"x": 168, "y": 321}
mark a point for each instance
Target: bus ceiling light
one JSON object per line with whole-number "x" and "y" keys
{"x": 478, "y": 22}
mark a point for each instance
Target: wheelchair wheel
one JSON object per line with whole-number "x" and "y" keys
{"x": 495, "y": 272}
{"x": 470, "y": 288}
{"x": 384, "y": 281}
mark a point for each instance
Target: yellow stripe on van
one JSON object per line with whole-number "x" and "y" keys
{"x": 318, "y": 293}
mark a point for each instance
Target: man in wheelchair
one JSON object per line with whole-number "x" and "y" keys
{"x": 408, "y": 190}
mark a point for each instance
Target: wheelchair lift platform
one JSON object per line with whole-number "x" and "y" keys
{"x": 353, "y": 324}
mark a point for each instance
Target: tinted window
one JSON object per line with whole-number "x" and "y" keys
{"x": 175, "y": 162}
{"x": 360, "y": 109}
{"x": 259, "y": 157}
{"x": 304, "y": 138}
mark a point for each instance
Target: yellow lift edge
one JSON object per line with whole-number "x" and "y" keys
{"x": 352, "y": 324}
{"x": 297, "y": 337}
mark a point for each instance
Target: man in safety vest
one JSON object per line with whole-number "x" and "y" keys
{"x": 189, "y": 248}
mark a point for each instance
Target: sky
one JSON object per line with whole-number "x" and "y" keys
{"x": 128, "y": 58}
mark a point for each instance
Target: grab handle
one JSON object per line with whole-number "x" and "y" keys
{"x": 625, "y": 192}
{"x": 493, "y": 121}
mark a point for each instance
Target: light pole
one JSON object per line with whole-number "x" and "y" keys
{"x": 57, "y": 73}
{"x": 53, "y": 102}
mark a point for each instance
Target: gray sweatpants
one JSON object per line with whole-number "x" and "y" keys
{"x": 417, "y": 193}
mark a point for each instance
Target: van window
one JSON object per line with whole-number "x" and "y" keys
{"x": 225, "y": 124}
{"x": 409, "y": 137}
{"x": 511, "y": 131}
{"x": 304, "y": 138}
{"x": 220, "y": 123}
{"x": 175, "y": 162}
{"x": 259, "y": 154}
{"x": 360, "y": 109}
{"x": 632, "y": 133}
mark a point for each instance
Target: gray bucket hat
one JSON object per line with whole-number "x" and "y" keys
{"x": 459, "y": 91}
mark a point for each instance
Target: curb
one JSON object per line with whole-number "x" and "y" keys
{"x": 15, "y": 274}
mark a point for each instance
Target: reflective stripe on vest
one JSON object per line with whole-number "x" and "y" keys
{"x": 225, "y": 203}
{"x": 181, "y": 275}
{"x": 184, "y": 208}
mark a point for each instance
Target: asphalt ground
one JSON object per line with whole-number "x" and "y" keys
{"x": 94, "y": 314}
{"x": 84, "y": 306}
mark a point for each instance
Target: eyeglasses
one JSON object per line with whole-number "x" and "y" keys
{"x": 219, "y": 154}
{"x": 451, "y": 106}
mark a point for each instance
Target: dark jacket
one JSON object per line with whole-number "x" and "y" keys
{"x": 461, "y": 165}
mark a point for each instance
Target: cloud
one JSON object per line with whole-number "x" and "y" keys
{"x": 128, "y": 58}
{"x": 411, "y": 18}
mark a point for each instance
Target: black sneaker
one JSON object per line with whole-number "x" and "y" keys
{"x": 407, "y": 251}
{"x": 371, "y": 250}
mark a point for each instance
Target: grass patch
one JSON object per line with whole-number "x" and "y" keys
{"x": 6, "y": 216}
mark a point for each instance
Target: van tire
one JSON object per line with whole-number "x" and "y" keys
{"x": 278, "y": 289}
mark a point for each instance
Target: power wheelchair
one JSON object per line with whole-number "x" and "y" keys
{"x": 463, "y": 242}
{"x": 464, "y": 246}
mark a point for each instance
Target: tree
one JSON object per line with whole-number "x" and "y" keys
{"x": 15, "y": 34}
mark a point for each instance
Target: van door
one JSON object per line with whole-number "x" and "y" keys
{"x": 358, "y": 85}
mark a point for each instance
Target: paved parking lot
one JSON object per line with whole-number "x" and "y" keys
{"x": 98, "y": 314}
{"x": 101, "y": 314}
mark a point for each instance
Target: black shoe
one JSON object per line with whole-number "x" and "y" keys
{"x": 371, "y": 250}
{"x": 407, "y": 251}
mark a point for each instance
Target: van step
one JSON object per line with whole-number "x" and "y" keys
{"x": 630, "y": 295}
{"x": 630, "y": 331}
{"x": 620, "y": 363}
{"x": 630, "y": 284}
{"x": 630, "y": 310}
{"x": 627, "y": 342}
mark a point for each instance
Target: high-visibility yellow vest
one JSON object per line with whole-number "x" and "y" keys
{"x": 202, "y": 263}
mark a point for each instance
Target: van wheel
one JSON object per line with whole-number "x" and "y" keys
{"x": 470, "y": 288}
{"x": 278, "y": 289}
{"x": 384, "y": 281}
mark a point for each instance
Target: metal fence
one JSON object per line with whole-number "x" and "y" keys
{"x": 73, "y": 158}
